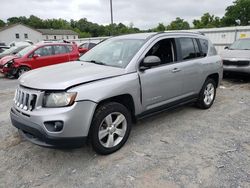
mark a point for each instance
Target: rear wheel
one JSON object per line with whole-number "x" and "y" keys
{"x": 21, "y": 71}
{"x": 110, "y": 128}
{"x": 207, "y": 94}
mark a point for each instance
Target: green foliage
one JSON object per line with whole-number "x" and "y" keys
{"x": 2, "y": 23}
{"x": 238, "y": 12}
{"x": 160, "y": 28}
{"x": 207, "y": 21}
{"x": 83, "y": 27}
{"x": 178, "y": 24}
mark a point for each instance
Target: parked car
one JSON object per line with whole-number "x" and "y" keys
{"x": 12, "y": 51}
{"x": 122, "y": 79}
{"x": 3, "y": 48}
{"x": 236, "y": 58}
{"x": 84, "y": 47}
{"x": 37, "y": 56}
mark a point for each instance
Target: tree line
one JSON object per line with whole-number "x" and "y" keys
{"x": 236, "y": 14}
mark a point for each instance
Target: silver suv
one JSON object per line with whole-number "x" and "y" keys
{"x": 122, "y": 79}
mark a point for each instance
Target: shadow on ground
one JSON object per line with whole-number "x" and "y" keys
{"x": 237, "y": 78}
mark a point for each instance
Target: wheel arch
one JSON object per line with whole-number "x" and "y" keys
{"x": 215, "y": 77}
{"x": 124, "y": 99}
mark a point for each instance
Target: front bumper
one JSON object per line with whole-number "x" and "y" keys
{"x": 76, "y": 119}
{"x": 7, "y": 71}
{"x": 236, "y": 69}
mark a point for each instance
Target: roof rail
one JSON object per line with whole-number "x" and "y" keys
{"x": 182, "y": 31}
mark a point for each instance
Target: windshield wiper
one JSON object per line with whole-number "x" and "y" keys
{"x": 96, "y": 62}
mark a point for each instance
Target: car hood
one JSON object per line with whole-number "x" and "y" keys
{"x": 6, "y": 59}
{"x": 239, "y": 54}
{"x": 65, "y": 75}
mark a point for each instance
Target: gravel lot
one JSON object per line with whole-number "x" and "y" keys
{"x": 187, "y": 147}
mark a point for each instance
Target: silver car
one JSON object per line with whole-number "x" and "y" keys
{"x": 122, "y": 79}
{"x": 236, "y": 58}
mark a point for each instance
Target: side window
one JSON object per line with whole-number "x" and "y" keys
{"x": 69, "y": 48}
{"x": 91, "y": 45}
{"x": 197, "y": 49}
{"x": 187, "y": 48}
{"x": 165, "y": 50}
{"x": 204, "y": 47}
{"x": 44, "y": 51}
{"x": 84, "y": 45}
{"x": 60, "y": 49}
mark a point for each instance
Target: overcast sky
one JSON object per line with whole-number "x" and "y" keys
{"x": 142, "y": 13}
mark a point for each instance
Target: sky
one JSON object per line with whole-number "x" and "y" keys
{"x": 144, "y": 14}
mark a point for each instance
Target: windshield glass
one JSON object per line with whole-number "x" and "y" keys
{"x": 25, "y": 51}
{"x": 9, "y": 51}
{"x": 113, "y": 52}
{"x": 241, "y": 45}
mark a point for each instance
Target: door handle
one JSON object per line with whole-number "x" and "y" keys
{"x": 176, "y": 70}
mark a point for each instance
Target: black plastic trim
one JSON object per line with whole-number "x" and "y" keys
{"x": 166, "y": 107}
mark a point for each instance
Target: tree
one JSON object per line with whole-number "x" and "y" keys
{"x": 207, "y": 21}
{"x": 237, "y": 14}
{"x": 160, "y": 27}
{"x": 178, "y": 24}
{"x": 2, "y": 23}
{"x": 13, "y": 20}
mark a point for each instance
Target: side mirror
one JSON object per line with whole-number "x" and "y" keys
{"x": 35, "y": 56}
{"x": 150, "y": 61}
{"x": 226, "y": 48}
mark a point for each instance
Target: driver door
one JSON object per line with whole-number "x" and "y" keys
{"x": 162, "y": 84}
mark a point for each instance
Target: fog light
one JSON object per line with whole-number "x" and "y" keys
{"x": 54, "y": 126}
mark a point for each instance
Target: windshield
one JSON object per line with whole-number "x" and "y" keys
{"x": 25, "y": 51}
{"x": 9, "y": 51}
{"x": 113, "y": 52}
{"x": 241, "y": 45}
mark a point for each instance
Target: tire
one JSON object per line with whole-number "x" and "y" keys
{"x": 21, "y": 71}
{"x": 207, "y": 94}
{"x": 104, "y": 130}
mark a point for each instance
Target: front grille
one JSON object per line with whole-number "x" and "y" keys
{"x": 236, "y": 63}
{"x": 25, "y": 100}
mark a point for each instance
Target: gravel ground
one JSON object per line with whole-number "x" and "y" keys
{"x": 186, "y": 147}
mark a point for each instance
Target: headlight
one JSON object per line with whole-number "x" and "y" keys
{"x": 61, "y": 99}
{"x": 8, "y": 64}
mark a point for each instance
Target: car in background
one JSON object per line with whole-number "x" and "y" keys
{"x": 3, "y": 48}
{"x": 236, "y": 58}
{"x": 37, "y": 56}
{"x": 84, "y": 47}
{"x": 12, "y": 50}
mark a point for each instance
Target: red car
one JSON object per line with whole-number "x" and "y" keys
{"x": 36, "y": 56}
{"x": 83, "y": 48}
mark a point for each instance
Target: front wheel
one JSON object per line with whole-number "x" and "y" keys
{"x": 207, "y": 94}
{"x": 21, "y": 71}
{"x": 110, "y": 128}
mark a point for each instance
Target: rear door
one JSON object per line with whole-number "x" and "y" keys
{"x": 61, "y": 54}
{"x": 72, "y": 52}
{"x": 190, "y": 60}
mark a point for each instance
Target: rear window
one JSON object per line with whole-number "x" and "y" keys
{"x": 187, "y": 48}
{"x": 60, "y": 49}
{"x": 69, "y": 48}
{"x": 204, "y": 47}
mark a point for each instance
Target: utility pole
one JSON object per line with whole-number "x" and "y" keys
{"x": 111, "y": 14}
